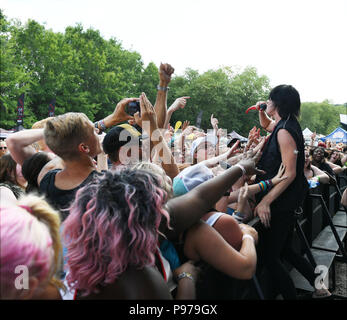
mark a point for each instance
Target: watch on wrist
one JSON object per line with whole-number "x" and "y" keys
{"x": 162, "y": 88}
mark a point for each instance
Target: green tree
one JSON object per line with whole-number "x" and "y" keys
{"x": 224, "y": 93}
{"x": 322, "y": 117}
{"x": 13, "y": 78}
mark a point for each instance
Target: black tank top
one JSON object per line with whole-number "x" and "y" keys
{"x": 58, "y": 198}
{"x": 294, "y": 195}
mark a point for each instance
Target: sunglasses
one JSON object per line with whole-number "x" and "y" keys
{"x": 3, "y": 148}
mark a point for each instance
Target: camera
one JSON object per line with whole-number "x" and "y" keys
{"x": 133, "y": 107}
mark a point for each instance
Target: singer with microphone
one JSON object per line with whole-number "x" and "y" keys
{"x": 276, "y": 207}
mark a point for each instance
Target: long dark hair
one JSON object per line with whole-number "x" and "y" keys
{"x": 8, "y": 169}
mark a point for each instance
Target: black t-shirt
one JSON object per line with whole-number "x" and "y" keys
{"x": 58, "y": 198}
{"x": 271, "y": 159}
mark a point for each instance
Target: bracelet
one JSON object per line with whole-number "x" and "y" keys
{"x": 242, "y": 168}
{"x": 247, "y": 236}
{"x": 102, "y": 125}
{"x": 262, "y": 185}
{"x": 269, "y": 183}
{"x": 162, "y": 88}
{"x": 185, "y": 275}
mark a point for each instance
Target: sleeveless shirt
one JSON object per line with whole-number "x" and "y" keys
{"x": 271, "y": 159}
{"x": 58, "y": 198}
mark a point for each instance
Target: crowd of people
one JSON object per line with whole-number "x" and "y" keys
{"x": 131, "y": 206}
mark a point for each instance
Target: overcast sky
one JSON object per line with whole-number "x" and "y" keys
{"x": 298, "y": 42}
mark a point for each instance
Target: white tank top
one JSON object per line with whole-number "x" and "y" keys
{"x": 212, "y": 219}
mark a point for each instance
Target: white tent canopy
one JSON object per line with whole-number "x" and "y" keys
{"x": 307, "y": 132}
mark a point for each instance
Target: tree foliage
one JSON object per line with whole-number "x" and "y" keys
{"x": 321, "y": 117}
{"x": 224, "y": 93}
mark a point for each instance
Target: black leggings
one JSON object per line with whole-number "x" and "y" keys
{"x": 277, "y": 246}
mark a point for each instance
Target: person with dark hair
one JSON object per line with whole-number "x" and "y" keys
{"x": 312, "y": 173}
{"x": 276, "y": 208}
{"x": 318, "y": 159}
{"x": 32, "y": 167}
{"x": 334, "y": 161}
{"x": 11, "y": 176}
{"x": 335, "y": 157}
{"x": 118, "y": 137}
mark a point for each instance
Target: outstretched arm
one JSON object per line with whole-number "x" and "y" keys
{"x": 189, "y": 208}
{"x": 210, "y": 163}
{"x": 179, "y": 103}
{"x": 157, "y": 140}
{"x": 117, "y": 116}
{"x": 165, "y": 72}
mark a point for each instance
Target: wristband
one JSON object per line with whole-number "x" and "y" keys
{"x": 162, "y": 88}
{"x": 97, "y": 127}
{"x": 242, "y": 168}
{"x": 247, "y": 236}
{"x": 269, "y": 183}
{"x": 102, "y": 125}
{"x": 185, "y": 275}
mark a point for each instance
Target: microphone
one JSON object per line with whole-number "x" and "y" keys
{"x": 262, "y": 107}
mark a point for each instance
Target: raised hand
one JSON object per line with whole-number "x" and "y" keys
{"x": 233, "y": 150}
{"x": 165, "y": 72}
{"x": 179, "y": 103}
{"x": 214, "y": 122}
{"x": 147, "y": 113}
{"x": 186, "y": 125}
{"x": 250, "y": 158}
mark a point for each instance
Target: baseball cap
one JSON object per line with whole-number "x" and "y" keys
{"x": 208, "y": 138}
{"x": 189, "y": 178}
{"x": 120, "y": 135}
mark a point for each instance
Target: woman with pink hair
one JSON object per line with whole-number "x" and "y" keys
{"x": 30, "y": 249}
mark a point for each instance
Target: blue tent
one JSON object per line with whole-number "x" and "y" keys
{"x": 338, "y": 135}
